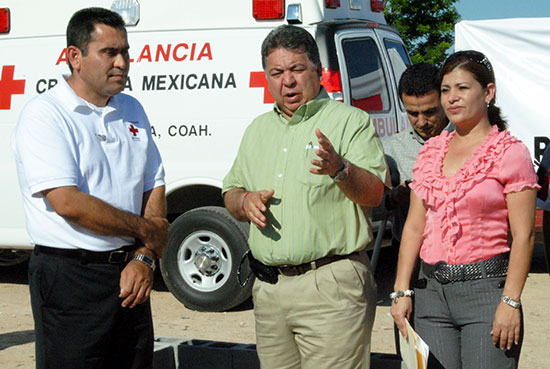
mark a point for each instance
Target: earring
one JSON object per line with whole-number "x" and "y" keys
{"x": 488, "y": 105}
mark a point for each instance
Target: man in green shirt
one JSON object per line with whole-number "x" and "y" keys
{"x": 305, "y": 174}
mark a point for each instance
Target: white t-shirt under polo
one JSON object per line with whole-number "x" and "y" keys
{"x": 62, "y": 140}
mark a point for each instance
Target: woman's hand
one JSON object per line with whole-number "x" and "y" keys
{"x": 506, "y": 326}
{"x": 401, "y": 311}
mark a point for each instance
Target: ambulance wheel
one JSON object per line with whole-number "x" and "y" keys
{"x": 201, "y": 261}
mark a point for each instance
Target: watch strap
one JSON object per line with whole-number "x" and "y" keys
{"x": 147, "y": 260}
{"x": 511, "y": 302}
{"x": 342, "y": 173}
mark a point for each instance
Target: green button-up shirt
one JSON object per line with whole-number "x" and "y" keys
{"x": 309, "y": 217}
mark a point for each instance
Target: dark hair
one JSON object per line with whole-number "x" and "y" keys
{"x": 482, "y": 70}
{"x": 419, "y": 79}
{"x": 291, "y": 38}
{"x": 82, "y": 25}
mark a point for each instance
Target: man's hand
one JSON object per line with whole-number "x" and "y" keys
{"x": 330, "y": 162}
{"x": 401, "y": 194}
{"x": 254, "y": 206}
{"x": 360, "y": 186}
{"x": 156, "y": 236}
{"x": 136, "y": 281}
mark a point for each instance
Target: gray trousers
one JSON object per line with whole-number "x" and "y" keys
{"x": 456, "y": 319}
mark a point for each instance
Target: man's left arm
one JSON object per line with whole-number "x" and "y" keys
{"x": 360, "y": 185}
{"x": 136, "y": 280}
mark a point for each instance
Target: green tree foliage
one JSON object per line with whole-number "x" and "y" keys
{"x": 427, "y": 27}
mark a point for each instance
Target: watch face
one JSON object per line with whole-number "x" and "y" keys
{"x": 145, "y": 260}
{"x": 340, "y": 176}
{"x": 511, "y": 302}
{"x": 343, "y": 173}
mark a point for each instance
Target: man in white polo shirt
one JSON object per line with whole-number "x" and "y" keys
{"x": 93, "y": 187}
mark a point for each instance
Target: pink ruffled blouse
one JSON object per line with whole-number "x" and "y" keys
{"x": 467, "y": 216}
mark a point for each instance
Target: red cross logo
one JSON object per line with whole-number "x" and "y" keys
{"x": 257, "y": 79}
{"x": 9, "y": 86}
{"x": 134, "y": 130}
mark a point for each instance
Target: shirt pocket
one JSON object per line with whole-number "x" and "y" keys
{"x": 304, "y": 176}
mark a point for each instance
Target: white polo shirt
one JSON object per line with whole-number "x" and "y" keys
{"x": 62, "y": 140}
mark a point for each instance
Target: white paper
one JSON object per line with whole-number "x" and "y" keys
{"x": 414, "y": 351}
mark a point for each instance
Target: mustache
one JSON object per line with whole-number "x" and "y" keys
{"x": 118, "y": 71}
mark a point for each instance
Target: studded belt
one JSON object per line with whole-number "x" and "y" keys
{"x": 442, "y": 272}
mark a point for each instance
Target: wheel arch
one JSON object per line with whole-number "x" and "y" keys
{"x": 182, "y": 197}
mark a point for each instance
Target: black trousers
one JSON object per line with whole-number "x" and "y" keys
{"x": 79, "y": 322}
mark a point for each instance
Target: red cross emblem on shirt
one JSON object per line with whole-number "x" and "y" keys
{"x": 257, "y": 79}
{"x": 134, "y": 130}
{"x": 9, "y": 86}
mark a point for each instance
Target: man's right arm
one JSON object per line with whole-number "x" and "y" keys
{"x": 99, "y": 217}
{"x": 244, "y": 205}
{"x": 233, "y": 200}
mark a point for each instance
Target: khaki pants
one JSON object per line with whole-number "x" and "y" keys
{"x": 321, "y": 319}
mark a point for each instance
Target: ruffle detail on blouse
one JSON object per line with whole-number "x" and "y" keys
{"x": 438, "y": 191}
{"x": 518, "y": 187}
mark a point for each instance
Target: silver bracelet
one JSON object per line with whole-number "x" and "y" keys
{"x": 397, "y": 294}
{"x": 509, "y": 301}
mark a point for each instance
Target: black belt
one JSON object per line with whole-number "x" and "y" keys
{"x": 444, "y": 273}
{"x": 270, "y": 274}
{"x": 118, "y": 256}
{"x": 294, "y": 270}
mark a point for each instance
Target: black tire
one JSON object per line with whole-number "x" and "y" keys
{"x": 13, "y": 257}
{"x": 200, "y": 263}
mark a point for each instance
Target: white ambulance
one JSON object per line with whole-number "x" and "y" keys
{"x": 196, "y": 68}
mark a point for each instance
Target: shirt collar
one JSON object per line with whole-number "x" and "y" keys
{"x": 416, "y": 136}
{"x": 76, "y": 103}
{"x": 449, "y": 128}
{"x": 305, "y": 111}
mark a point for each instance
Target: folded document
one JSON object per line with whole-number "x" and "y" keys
{"x": 414, "y": 351}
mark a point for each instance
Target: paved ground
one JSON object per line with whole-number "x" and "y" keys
{"x": 173, "y": 320}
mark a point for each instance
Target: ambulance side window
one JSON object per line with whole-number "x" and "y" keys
{"x": 369, "y": 90}
{"x": 399, "y": 58}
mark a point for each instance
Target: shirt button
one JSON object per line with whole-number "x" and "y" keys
{"x": 280, "y": 175}
{"x": 284, "y": 149}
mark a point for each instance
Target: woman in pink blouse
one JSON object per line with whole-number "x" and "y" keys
{"x": 471, "y": 188}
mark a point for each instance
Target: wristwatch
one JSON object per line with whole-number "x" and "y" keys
{"x": 509, "y": 301}
{"x": 145, "y": 260}
{"x": 342, "y": 173}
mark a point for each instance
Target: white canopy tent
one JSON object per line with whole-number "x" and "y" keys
{"x": 519, "y": 50}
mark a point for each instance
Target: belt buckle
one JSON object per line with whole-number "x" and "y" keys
{"x": 438, "y": 273}
{"x": 117, "y": 257}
